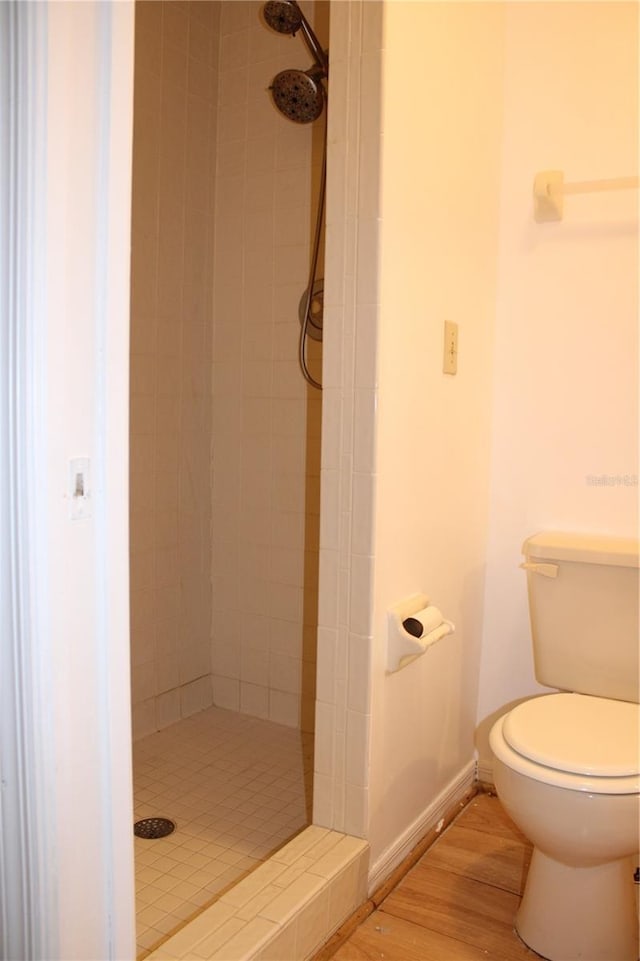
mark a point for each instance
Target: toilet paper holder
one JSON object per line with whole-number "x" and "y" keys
{"x": 403, "y": 646}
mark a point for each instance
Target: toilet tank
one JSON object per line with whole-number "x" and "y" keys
{"x": 583, "y": 604}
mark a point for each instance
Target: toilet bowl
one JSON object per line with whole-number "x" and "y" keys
{"x": 567, "y": 766}
{"x": 567, "y": 771}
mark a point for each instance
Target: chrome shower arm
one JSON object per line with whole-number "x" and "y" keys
{"x": 313, "y": 45}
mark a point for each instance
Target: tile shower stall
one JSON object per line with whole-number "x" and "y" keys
{"x": 225, "y": 434}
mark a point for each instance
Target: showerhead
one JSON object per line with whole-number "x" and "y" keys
{"x": 299, "y": 94}
{"x": 284, "y": 16}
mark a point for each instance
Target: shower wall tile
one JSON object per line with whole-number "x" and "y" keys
{"x": 341, "y": 793}
{"x": 234, "y": 50}
{"x": 330, "y": 512}
{"x": 285, "y": 708}
{"x": 356, "y": 810}
{"x": 285, "y": 674}
{"x": 254, "y": 699}
{"x": 237, "y": 16}
{"x": 226, "y": 692}
{"x": 143, "y": 680}
{"x": 196, "y": 696}
{"x": 167, "y": 672}
{"x": 171, "y": 319}
{"x": 284, "y": 637}
{"x": 364, "y": 431}
{"x": 144, "y": 717}
{"x": 254, "y": 669}
{"x": 168, "y": 708}
{"x": 149, "y": 26}
{"x": 266, "y": 424}
{"x": 327, "y": 642}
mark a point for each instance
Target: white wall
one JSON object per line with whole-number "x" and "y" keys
{"x": 566, "y": 381}
{"x": 442, "y": 87}
{"x": 81, "y": 374}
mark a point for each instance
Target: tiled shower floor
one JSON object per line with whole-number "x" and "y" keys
{"x": 237, "y": 788}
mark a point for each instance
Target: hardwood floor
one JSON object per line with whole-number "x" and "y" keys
{"x": 458, "y": 902}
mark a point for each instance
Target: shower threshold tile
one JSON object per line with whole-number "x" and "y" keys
{"x": 237, "y": 788}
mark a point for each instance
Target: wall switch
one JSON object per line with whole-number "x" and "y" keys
{"x": 450, "y": 362}
{"x": 79, "y": 489}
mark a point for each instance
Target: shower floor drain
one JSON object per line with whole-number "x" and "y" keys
{"x": 153, "y": 828}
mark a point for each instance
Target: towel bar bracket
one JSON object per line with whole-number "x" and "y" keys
{"x": 549, "y": 190}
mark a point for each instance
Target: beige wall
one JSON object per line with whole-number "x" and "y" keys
{"x": 566, "y": 359}
{"x": 412, "y": 228}
{"x": 266, "y": 422}
{"x": 440, "y": 190}
{"x": 171, "y": 320}
{"x": 430, "y": 483}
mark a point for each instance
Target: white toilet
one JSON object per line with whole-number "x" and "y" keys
{"x": 567, "y": 765}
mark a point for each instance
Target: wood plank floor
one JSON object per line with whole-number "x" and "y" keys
{"x": 459, "y": 901}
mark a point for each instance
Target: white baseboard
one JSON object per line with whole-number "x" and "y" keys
{"x": 441, "y": 806}
{"x": 485, "y": 772}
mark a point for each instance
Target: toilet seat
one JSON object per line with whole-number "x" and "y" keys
{"x": 577, "y": 733}
{"x": 547, "y": 738}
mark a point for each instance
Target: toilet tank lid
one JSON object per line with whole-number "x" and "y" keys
{"x": 583, "y": 548}
{"x": 577, "y": 733}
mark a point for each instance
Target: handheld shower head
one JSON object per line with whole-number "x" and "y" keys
{"x": 299, "y": 94}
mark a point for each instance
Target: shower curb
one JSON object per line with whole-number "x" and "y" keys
{"x": 287, "y": 908}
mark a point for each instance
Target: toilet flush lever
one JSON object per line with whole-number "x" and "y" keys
{"x": 547, "y": 570}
